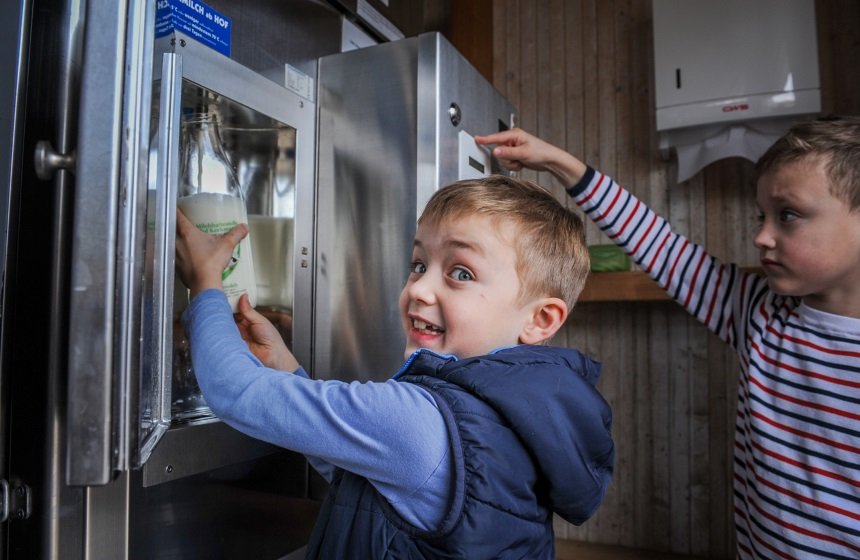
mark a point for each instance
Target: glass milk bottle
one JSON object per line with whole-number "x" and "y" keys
{"x": 209, "y": 195}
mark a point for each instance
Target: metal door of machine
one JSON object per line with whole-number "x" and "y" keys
{"x": 269, "y": 133}
{"x": 80, "y": 68}
{"x": 120, "y": 419}
{"x": 92, "y": 449}
{"x": 120, "y": 404}
{"x": 396, "y": 120}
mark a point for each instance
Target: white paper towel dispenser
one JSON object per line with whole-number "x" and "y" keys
{"x": 731, "y": 76}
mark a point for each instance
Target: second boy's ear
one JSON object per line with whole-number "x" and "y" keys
{"x": 547, "y": 316}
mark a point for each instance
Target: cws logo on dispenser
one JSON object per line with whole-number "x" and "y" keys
{"x": 195, "y": 19}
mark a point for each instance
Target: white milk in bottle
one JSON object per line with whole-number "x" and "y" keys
{"x": 209, "y": 195}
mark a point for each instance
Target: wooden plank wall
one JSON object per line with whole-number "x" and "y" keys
{"x": 580, "y": 72}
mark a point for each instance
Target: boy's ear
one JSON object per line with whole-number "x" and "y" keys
{"x": 548, "y": 315}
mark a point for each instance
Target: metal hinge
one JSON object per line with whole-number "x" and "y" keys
{"x": 15, "y": 500}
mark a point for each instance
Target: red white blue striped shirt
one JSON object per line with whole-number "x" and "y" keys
{"x": 797, "y": 438}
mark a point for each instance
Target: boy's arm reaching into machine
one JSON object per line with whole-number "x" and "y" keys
{"x": 390, "y": 433}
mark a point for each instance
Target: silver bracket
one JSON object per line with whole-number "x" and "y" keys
{"x": 15, "y": 500}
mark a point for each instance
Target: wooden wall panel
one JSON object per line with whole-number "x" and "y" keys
{"x": 580, "y": 72}
{"x": 838, "y": 23}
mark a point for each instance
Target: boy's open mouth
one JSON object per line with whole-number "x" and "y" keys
{"x": 426, "y": 328}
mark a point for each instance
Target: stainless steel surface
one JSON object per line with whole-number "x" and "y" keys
{"x": 189, "y": 450}
{"x": 367, "y": 161}
{"x": 16, "y": 499}
{"x": 271, "y": 33}
{"x": 34, "y": 309}
{"x": 58, "y": 343}
{"x": 107, "y": 520}
{"x": 445, "y": 77}
{"x": 157, "y": 373}
{"x": 107, "y": 250}
{"x": 254, "y": 509}
{"x": 93, "y": 273}
{"x": 60, "y": 524}
{"x": 4, "y": 500}
{"x": 131, "y": 225}
{"x": 386, "y": 143}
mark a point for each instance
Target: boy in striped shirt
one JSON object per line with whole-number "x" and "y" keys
{"x": 796, "y": 329}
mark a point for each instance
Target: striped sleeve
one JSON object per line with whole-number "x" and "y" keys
{"x": 796, "y": 468}
{"x": 709, "y": 290}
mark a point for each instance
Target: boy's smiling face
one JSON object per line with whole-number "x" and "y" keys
{"x": 809, "y": 240}
{"x": 462, "y": 294}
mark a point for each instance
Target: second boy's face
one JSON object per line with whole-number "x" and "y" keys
{"x": 461, "y": 296}
{"x": 809, "y": 241}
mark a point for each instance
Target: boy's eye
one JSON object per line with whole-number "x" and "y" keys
{"x": 461, "y": 275}
{"x": 787, "y": 215}
{"x": 418, "y": 267}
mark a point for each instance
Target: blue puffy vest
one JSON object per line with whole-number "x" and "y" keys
{"x": 530, "y": 436}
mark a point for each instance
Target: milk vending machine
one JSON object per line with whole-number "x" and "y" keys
{"x": 112, "y": 450}
{"x": 108, "y": 449}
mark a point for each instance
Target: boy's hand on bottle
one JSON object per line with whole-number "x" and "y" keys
{"x": 516, "y": 149}
{"x": 263, "y": 339}
{"x": 200, "y": 257}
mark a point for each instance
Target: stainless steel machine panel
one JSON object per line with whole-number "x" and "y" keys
{"x": 394, "y": 121}
{"x": 76, "y": 315}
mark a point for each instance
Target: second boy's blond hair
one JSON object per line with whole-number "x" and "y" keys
{"x": 836, "y": 140}
{"x": 552, "y": 257}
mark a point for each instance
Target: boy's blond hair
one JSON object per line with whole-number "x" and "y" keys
{"x": 836, "y": 140}
{"x": 552, "y": 257}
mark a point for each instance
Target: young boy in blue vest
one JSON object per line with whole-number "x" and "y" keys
{"x": 795, "y": 328}
{"x": 485, "y": 431}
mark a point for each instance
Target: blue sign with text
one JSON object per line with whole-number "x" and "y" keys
{"x": 195, "y": 19}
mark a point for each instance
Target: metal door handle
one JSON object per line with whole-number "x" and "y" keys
{"x": 47, "y": 160}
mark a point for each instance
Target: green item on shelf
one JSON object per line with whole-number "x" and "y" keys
{"x": 608, "y": 258}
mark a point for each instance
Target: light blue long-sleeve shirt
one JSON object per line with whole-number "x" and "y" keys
{"x": 388, "y": 432}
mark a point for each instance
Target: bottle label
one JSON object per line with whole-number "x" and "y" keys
{"x": 216, "y": 214}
